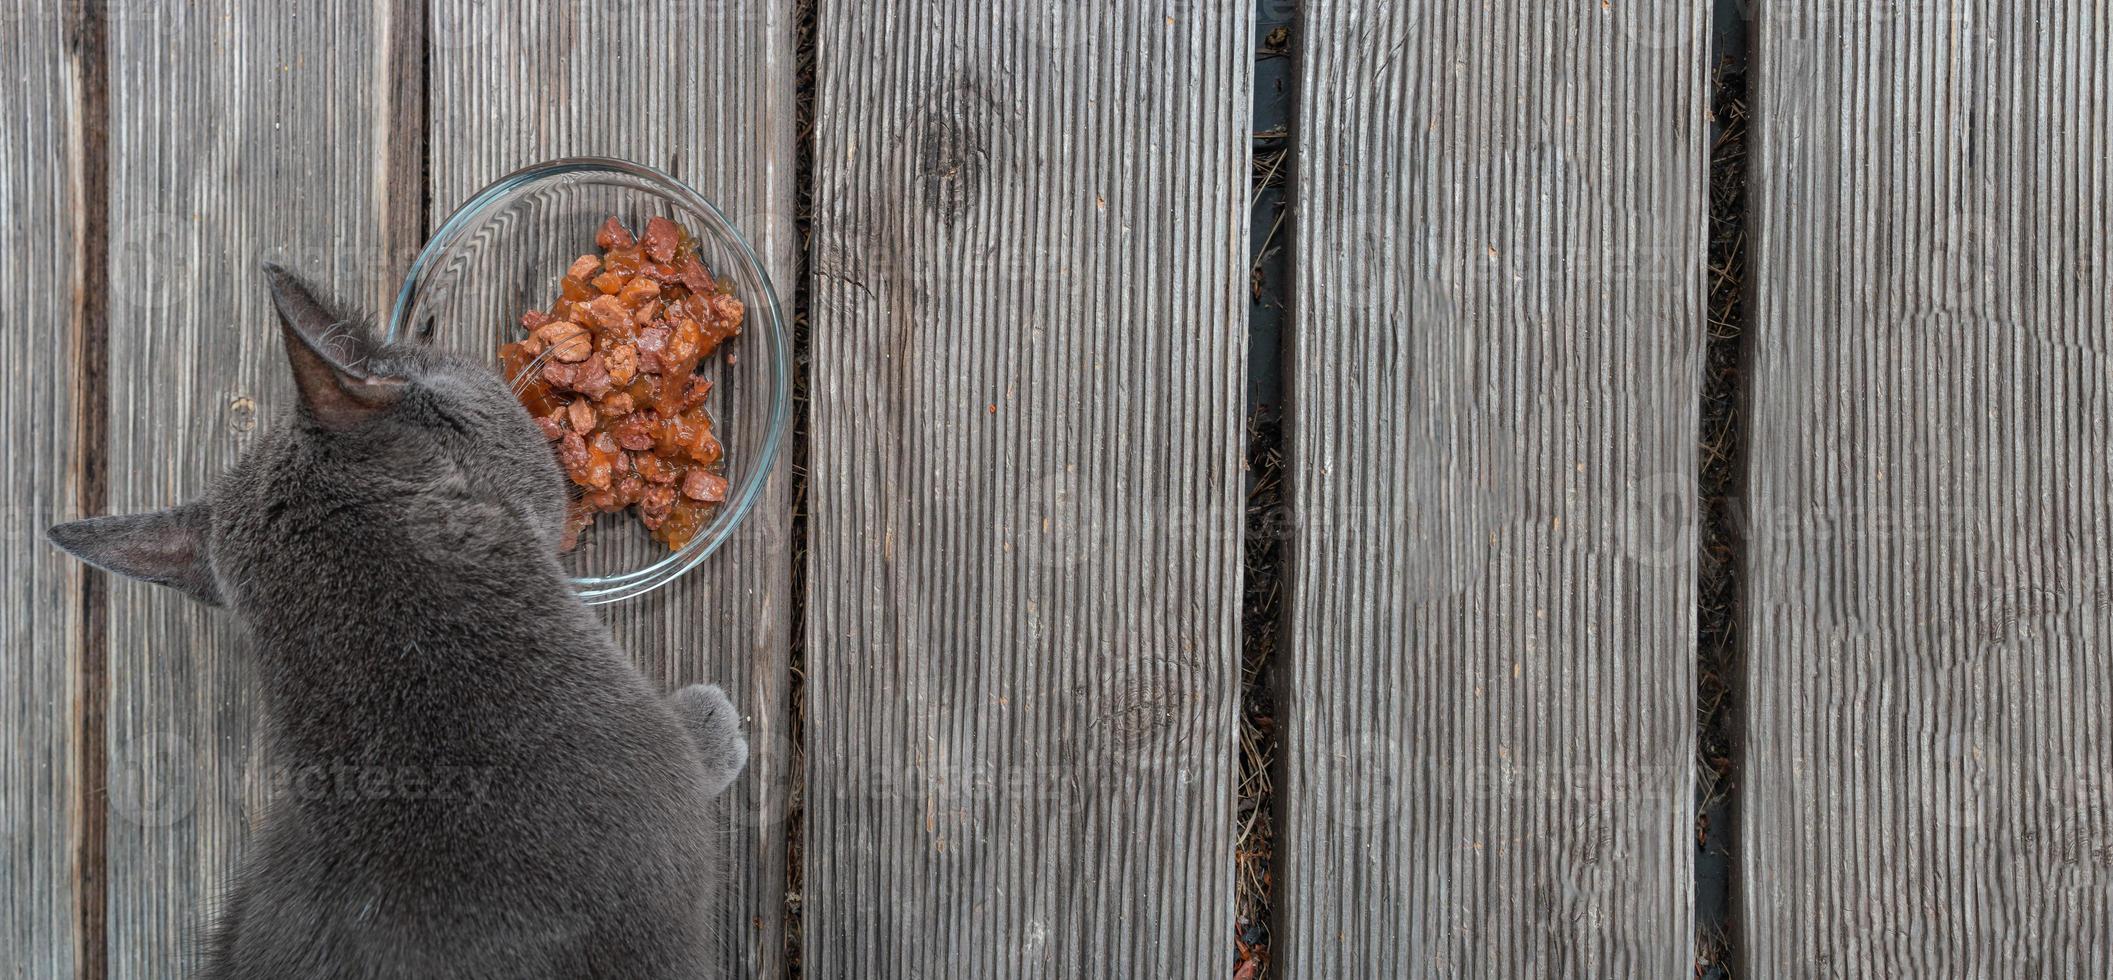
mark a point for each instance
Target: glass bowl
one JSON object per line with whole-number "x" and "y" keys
{"x": 503, "y": 253}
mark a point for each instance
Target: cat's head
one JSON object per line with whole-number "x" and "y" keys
{"x": 394, "y": 451}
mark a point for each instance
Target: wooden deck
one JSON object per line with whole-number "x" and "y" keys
{"x": 987, "y": 624}
{"x": 1930, "y": 601}
{"x": 1496, "y": 378}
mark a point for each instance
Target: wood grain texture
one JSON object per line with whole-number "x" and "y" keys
{"x": 41, "y": 629}
{"x": 240, "y": 131}
{"x": 709, "y": 99}
{"x": 1028, "y": 356}
{"x": 1488, "y": 683}
{"x": 1930, "y": 563}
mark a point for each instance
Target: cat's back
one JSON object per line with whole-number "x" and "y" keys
{"x": 546, "y": 821}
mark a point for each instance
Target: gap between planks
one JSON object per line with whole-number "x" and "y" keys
{"x": 89, "y": 36}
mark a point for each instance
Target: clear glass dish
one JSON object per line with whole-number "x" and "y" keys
{"x": 503, "y": 253}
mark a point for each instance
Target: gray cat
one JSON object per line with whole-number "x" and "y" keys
{"x": 480, "y": 783}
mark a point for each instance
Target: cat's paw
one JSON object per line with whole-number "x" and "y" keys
{"x": 715, "y": 726}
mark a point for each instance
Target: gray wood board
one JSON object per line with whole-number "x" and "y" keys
{"x": 1930, "y": 582}
{"x": 239, "y": 132}
{"x": 41, "y": 629}
{"x": 1488, "y": 683}
{"x": 705, "y": 94}
{"x": 1028, "y": 356}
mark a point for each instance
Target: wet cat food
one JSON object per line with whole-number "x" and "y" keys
{"x": 609, "y": 372}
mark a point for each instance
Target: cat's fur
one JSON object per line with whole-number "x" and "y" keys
{"x": 476, "y": 782}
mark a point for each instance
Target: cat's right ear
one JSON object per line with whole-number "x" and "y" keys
{"x": 329, "y": 353}
{"x": 163, "y": 548}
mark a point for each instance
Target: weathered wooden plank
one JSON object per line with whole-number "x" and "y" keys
{"x": 240, "y": 131}
{"x": 1930, "y": 566}
{"x": 1495, "y": 380}
{"x": 1028, "y": 358}
{"x": 42, "y": 148}
{"x": 706, "y": 94}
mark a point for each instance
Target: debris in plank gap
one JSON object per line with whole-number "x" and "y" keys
{"x": 1267, "y": 520}
{"x": 1721, "y": 451}
{"x": 1255, "y": 836}
{"x": 794, "y": 941}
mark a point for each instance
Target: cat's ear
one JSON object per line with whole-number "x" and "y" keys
{"x": 165, "y": 548}
{"x": 330, "y": 354}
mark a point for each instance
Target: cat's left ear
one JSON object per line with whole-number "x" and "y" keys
{"x": 163, "y": 548}
{"x": 331, "y": 355}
